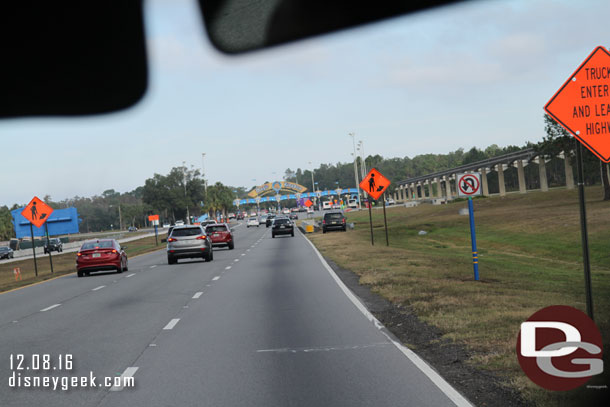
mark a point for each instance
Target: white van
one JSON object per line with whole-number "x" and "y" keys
{"x": 352, "y": 203}
{"x": 327, "y": 205}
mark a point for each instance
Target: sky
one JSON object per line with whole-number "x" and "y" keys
{"x": 474, "y": 74}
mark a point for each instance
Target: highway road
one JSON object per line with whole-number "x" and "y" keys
{"x": 265, "y": 324}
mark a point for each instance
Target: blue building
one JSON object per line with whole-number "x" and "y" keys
{"x": 61, "y": 222}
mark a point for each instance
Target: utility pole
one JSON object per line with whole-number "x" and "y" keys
{"x": 352, "y": 135}
{"x": 205, "y": 182}
{"x": 120, "y": 218}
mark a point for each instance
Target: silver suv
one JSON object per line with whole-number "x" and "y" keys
{"x": 188, "y": 241}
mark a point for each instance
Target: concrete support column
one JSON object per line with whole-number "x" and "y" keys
{"x": 501, "y": 185}
{"x": 484, "y": 185}
{"x": 418, "y": 191}
{"x": 402, "y": 193}
{"x": 569, "y": 172}
{"x": 439, "y": 189}
{"x": 427, "y": 191}
{"x": 544, "y": 184}
{"x": 448, "y": 193}
{"x": 521, "y": 176}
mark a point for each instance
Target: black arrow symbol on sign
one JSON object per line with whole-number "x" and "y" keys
{"x": 379, "y": 188}
{"x": 42, "y": 216}
{"x": 468, "y": 183}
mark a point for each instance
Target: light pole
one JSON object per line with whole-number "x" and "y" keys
{"x": 188, "y": 218}
{"x": 352, "y": 135}
{"x": 362, "y": 160}
{"x": 205, "y": 181}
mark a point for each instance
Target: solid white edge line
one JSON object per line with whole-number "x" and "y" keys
{"x": 129, "y": 372}
{"x": 171, "y": 324}
{"x": 216, "y": 278}
{"x": 426, "y": 369}
{"x": 49, "y": 308}
{"x": 130, "y": 275}
{"x": 98, "y": 288}
{"x": 198, "y": 294}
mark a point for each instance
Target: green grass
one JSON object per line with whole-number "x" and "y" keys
{"x": 530, "y": 257}
{"x": 64, "y": 263}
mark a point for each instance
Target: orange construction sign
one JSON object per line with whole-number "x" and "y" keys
{"x": 153, "y": 217}
{"x": 582, "y": 104}
{"x": 375, "y": 184}
{"x": 37, "y": 212}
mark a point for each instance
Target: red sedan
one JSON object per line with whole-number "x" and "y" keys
{"x": 221, "y": 235}
{"x": 98, "y": 255}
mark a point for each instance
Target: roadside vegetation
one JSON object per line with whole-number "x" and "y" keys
{"x": 530, "y": 257}
{"x": 64, "y": 263}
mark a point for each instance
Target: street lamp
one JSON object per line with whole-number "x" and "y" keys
{"x": 120, "y": 217}
{"x": 188, "y": 218}
{"x": 205, "y": 182}
{"x": 352, "y": 135}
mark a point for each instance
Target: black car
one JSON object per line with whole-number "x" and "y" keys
{"x": 333, "y": 221}
{"x": 282, "y": 226}
{"x": 294, "y": 215}
{"x": 53, "y": 245}
{"x": 269, "y": 220}
{"x": 6, "y": 252}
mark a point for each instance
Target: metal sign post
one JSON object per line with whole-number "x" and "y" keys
{"x": 46, "y": 227}
{"x": 368, "y": 202}
{"x": 473, "y": 240}
{"x": 385, "y": 221}
{"x": 375, "y": 184}
{"x": 34, "y": 249}
{"x": 583, "y": 230}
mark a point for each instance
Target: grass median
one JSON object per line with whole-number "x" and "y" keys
{"x": 530, "y": 257}
{"x": 64, "y": 263}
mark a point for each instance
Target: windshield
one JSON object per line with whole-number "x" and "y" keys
{"x": 218, "y": 228}
{"x": 182, "y": 232}
{"x": 103, "y": 244}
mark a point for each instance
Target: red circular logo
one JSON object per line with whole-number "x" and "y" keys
{"x": 560, "y": 348}
{"x": 468, "y": 184}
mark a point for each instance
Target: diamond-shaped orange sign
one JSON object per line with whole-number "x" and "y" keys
{"x": 582, "y": 104}
{"x": 375, "y": 184}
{"x": 37, "y": 212}
{"x": 153, "y": 217}
{"x": 308, "y": 203}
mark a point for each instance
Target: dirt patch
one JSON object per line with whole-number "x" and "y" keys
{"x": 482, "y": 388}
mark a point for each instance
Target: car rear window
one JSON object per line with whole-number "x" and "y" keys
{"x": 333, "y": 216}
{"x": 216, "y": 228}
{"x": 281, "y": 221}
{"x": 186, "y": 232}
{"x": 97, "y": 245}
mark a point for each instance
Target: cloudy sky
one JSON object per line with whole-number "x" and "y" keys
{"x": 469, "y": 75}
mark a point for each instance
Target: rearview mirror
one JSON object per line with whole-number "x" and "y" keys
{"x": 235, "y": 27}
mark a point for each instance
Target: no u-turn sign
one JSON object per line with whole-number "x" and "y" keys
{"x": 469, "y": 184}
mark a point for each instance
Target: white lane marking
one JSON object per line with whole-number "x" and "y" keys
{"x": 153, "y": 266}
{"x": 208, "y": 285}
{"x": 236, "y": 260}
{"x": 129, "y": 372}
{"x": 171, "y": 324}
{"x": 98, "y": 288}
{"x": 247, "y": 250}
{"x": 130, "y": 275}
{"x": 243, "y": 254}
{"x": 198, "y": 294}
{"x": 51, "y": 307}
{"x": 216, "y": 278}
{"x": 324, "y": 348}
{"x": 228, "y": 268}
{"x": 434, "y": 377}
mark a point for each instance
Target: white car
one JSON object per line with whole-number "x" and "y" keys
{"x": 253, "y": 221}
{"x": 166, "y": 225}
{"x": 390, "y": 201}
{"x": 286, "y": 211}
{"x": 179, "y": 223}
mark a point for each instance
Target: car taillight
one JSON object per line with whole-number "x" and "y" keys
{"x": 324, "y": 222}
{"x": 79, "y": 254}
{"x": 343, "y": 220}
{"x": 171, "y": 239}
{"x": 202, "y": 237}
{"x": 113, "y": 251}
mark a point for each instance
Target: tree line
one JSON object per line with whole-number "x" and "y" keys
{"x": 184, "y": 190}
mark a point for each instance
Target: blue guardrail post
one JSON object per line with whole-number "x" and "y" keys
{"x": 473, "y": 238}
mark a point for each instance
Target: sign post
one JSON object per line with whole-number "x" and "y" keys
{"x": 46, "y": 228}
{"x": 37, "y": 212}
{"x": 375, "y": 184}
{"x": 155, "y": 221}
{"x": 581, "y": 107}
{"x": 470, "y": 185}
{"x": 385, "y": 221}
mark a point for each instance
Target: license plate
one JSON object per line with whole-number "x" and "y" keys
{"x": 96, "y": 255}
{"x": 215, "y": 234}
{"x": 282, "y": 227}
{"x": 334, "y": 223}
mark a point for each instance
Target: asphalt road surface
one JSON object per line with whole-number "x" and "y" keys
{"x": 265, "y": 324}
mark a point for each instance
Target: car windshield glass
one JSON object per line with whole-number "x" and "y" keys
{"x": 186, "y": 232}
{"x": 107, "y": 244}
{"x": 281, "y": 221}
{"x": 4, "y": 249}
{"x": 216, "y": 228}
{"x": 333, "y": 216}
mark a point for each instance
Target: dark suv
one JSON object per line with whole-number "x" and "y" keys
{"x": 53, "y": 245}
{"x": 282, "y": 226}
{"x": 333, "y": 221}
{"x": 269, "y": 220}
